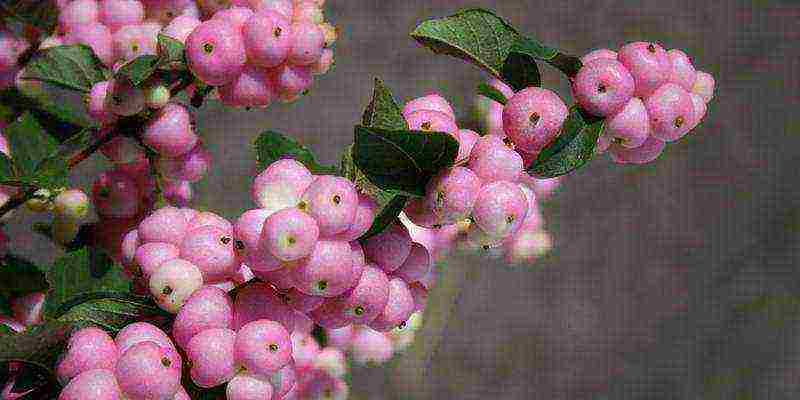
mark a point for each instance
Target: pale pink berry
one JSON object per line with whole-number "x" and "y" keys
{"x": 308, "y": 11}
{"x": 167, "y": 225}
{"x": 500, "y": 209}
{"x": 283, "y": 7}
{"x": 320, "y": 385}
{"x": 302, "y": 302}
{"x": 302, "y": 322}
{"x": 599, "y": 54}
{"x": 704, "y": 86}
{"x": 327, "y": 271}
{"x": 533, "y": 117}
{"x": 207, "y": 308}
{"x": 180, "y": 27}
{"x": 420, "y": 295}
{"x": 139, "y": 332}
{"x": 207, "y": 218}
{"x": 177, "y": 192}
{"x": 215, "y": 52}
{"x": 267, "y": 39}
{"x": 191, "y": 166}
{"x": 432, "y": 121}
{"x": 643, "y": 154}
{"x": 96, "y": 36}
{"x": 648, "y": 64}
{"x": 390, "y": 248}
{"x": 283, "y": 382}
{"x": 330, "y": 315}
{"x": 96, "y": 384}
{"x": 116, "y": 195}
{"x": 371, "y": 346}
{"x": 493, "y": 159}
{"x": 78, "y": 13}
{"x": 248, "y": 230}
{"x": 700, "y": 109}
{"x": 149, "y": 371}
{"x": 10, "y": 50}
{"x": 332, "y": 201}
{"x": 211, "y": 249}
{"x": 173, "y": 283}
{"x": 420, "y": 214}
{"x": 181, "y": 394}
{"x": 263, "y": 347}
{"x": 417, "y": 264}
{"x": 234, "y": 16}
{"x": 332, "y": 361}
{"x": 281, "y": 185}
{"x": 466, "y": 142}
{"x": 451, "y": 194}
{"x": 304, "y": 350}
{"x": 132, "y": 41}
{"x": 631, "y": 125}
{"x": 307, "y": 41}
{"x": 252, "y": 88}
{"x": 340, "y": 338}
{"x": 170, "y": 133}
{"x": 291, "y": 81}
{"x": 150, "y": 256}
{"x": 368, "y": 298}
{"x": 365, "y": 215}
{"x": 259, "y": 301}
{"x": 289, "y": 234}
{"x": 118, "y": 13}
{"x": 97, "y": 108}
{"x": 324, "y": 64}
{"x": 124, "y": 99}
{"x": 399, "y": 307}
{"x": 682, "y": 72}
{"x": 246, "y": 386}
{"x": 87, "y": 349}
{"x": 603, "y": 86}
{"x": 165, "y": 11}
{"x": 211, "y": 353}
{"x": 431, "y": 102}
{"x": 671, "y": 112}
{"x": 278, "y": 276}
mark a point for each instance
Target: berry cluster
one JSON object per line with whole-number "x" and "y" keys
{"x": 367, "y": 345}
{"x": 259, "y": 51}
{"x": 11, "y": 47}
{"x": 319, "y": 371}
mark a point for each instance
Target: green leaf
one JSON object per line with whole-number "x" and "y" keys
{"x": 112, "y": 312}
{"x": 388, "y": 213}
{"x": 57, "y": 117}
{"x": 492, "y": 93}
{"x": 71, "y": 67}
{"x": 383, "y": 111}
{"x": 520, "y": 70}
{"x": 402, "y": 160}
{"x": 272, "y": 146}
{"x": 568, "y": 64}
{"x": 30, "y": 144}
{"x": 171, "y": 53}
{"x": 19, "y": 277}
{"x": 38, "y": 345}
{"x": 572, "y": 149}
{"x": 138, "y": 70}
{"x": 83, "y": 272}
{"x": 42, "y": 14}
{"x": 7, "y": 173}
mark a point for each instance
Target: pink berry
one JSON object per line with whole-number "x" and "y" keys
{"x": 340, "y": 338}
{"x": 466, "y": 142}
{"x": 390, "y": 248}
{"x": 493, "y": 160}
{"x": 211, "y": 353}
{"x": 263, "y": 347}
{"x": 330, "y": 315}
{"x": 431, "y": 102}
{"x": 207, "y": 308}
{"x": 304, "y": 350}
{"x": 267, "y": 38}
{"x": 599, "y": 54}
{"x": 116, "y": 195}
{"x": 302, "y": 302}
{"x": 324, "y": 64}
{"x": 246, "y": 386}
{"x": 96, "y": 384}
{"x": 96, "y": 36}
{"x": 216, "y": 52}
{"x": 118, "y": 13}
{"x": 631, "y": 125}
{"x": 248, "y": 230}
{"x": 148, "y": 371}
{"x": 704, "y": 86}
{"x": 307, "y": 41}
{"x": 283, "y": 382}
{"x": 87, "y": 349}
{"x": 643, "y": 154}
{"x": 173, "y": 283}
{"x": 166, "y": 225}
{"x": 451, "y": 194}
{"x": 212, "y": 250}
{"x": 332, "y": 201}
{"x": 432, "y": 121}
{"x": 170, "y": 133}
{"x": 78, "y": 13}
{"x": 291, "y": 81}
{"x": 279, "y": 276}
{"x": 206, "y": 218}
{"x": 308, "y": 11}
{"x": 399, "y": 307}
{"x": 139, "y": 332}
{"x": 124, "y": 99}
{"x": 365, "y": 215}
{"x": 368, "y": 298}
{"x": 283, "y": 7}
{"x": 191, "y": 167}
{"x": 281, "y": 185}
{"x": 97, "y": 108}
{"x": 235, "y": 16}
{"x": 132, "y": 41}
{"x": 332, "y": 361}
{"x": 28, "y": 308}
{"x": 289, "y": 234}
{"x": 180, "y": 27}
{"x": 327, "y": 271}
{"x": 649, "y": 65}
{"x": 175, "y": 192}
{"x": 500, "y": 209}
{"x": 150, "y": 256}
{"x": 302, "y": 322}
{"x": 533, "y": 117}
{"x": 603, "y": 86}
{"x": 252, "y": 88}
{"x": 165, "y": 10}
{"x": 259, "y": 301}
{"x": 372, "y": 346}
{"x": 671, "y": 112}
{"x": 420, "y": 295}
{"x": 682, "y": 72}
{"x": 417, "y": 264}
{"x": 419, "y": 213}
{"x": 700, "y": 109}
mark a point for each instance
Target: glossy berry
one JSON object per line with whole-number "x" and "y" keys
{"x": 150, "y": 256}
{"x": 96, "y": 36}
{"x": 307, "y": 41}
{"x": 466, "y": 142}
{"x": 263, "y": 347}
{"x": 304, "y": 350}
{"x": 500, "y": 209}
{"x": 327, "y": 271}
{"x": 216, "y": 52}
{"x": 682, "y": 72}
{"x": 493, "y": 159}
{"x": 78, "y": 13}
{"x": 390, "y": 248}
{"x": 643, "y": 154}
{"x": 289, "y": 234}
{"x": 192, "y": 166}
{"x": 235, "y": 16}
{"x": 260, "y": 301}
{"x": 398, "y": 308}
{"x": 248, "y": 229}
{"x": 704, "y": 86}
{"x": 173, "y": 283}
{"x": 603, "y": 86}
{"x": 96, "y": 384}
{"x": 417, "y": 265}
{"x": 246, "y": 386}
{"x": 148, "y": 371}
{"x": 431, "y": 102}
{"x": 139, "y": 332}
{"x": 211, "y": 353}
{"x": 432, "y": 121}
{"x": 281, "y": 185}
{"x": 87, "y": 349}
{"x": 252, "y": 88}
{"x": 332, "y": 201}
{"x": 631, "y": 125}
{"x": 365, "y": 215}
{"x": 649, "y": 65}
{"x": 533, "y": 117}
{"x": 267, "y": 38}
{"x": 170, "y": 133}
{"x": 368, "y": 298}
{"x": 599, "y": 54}
{"x": 116, "y": 195}
{"x": 451, "y": 194}
{"x": 167, "y": 225}
{"x": 371, "y": 346}
{"x": 211, "y": 249}
{"x": 180, "y": 27}
{"x": 671, "y": 112}
{"x": 72, "y": 203}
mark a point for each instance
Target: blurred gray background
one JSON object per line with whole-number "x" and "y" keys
{"x": 674, "y": 280}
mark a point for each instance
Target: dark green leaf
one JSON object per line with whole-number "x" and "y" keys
{"x": 72, "y": 67}
{"x": 272, "y": 146}
{"x": 30, "y": 144}
{"x": 492, "y": 93}
{"x": 138, "y": 70}
{"x": 476, "y": 35}
{"x": 51, "y": 173}
{"x": 79, "y": 273}
{"x": 171, "y": 53}
{"x": 5, "y": 330}
{"x": 41, "y": 14}
{"x": 387, "y": 214}
{"x": 38, "y": 345}
{"x": 383, "y": 111}
{"x": 572, "y": 149}
{"x": 7, "y": 173}
{"x": 402, "y": 160}
{"x": 19, "y": 277}
{"x": 520, "y": 71}
{"x": 568, "y": 64}
{"x": 57, "y": 117}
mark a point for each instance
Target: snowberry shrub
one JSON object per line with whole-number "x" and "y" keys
{"x": 155, "y": 299}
